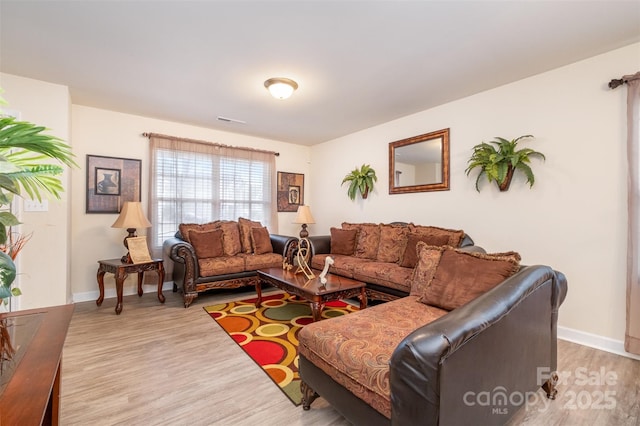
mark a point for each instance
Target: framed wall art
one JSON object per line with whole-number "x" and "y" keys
{"x": 290, "y": 191}
{"x": 110, "y": 182}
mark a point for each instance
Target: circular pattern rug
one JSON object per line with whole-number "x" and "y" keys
{"x": 269, "y": 334}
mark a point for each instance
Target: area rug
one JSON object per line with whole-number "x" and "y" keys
{"x": 269, "y": 334}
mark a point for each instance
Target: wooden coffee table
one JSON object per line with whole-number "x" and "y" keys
{"x": 312, "y": 290}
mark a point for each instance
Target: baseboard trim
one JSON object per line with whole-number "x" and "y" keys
{"x": 111, "y": 292}
{"x": 594, "y": 341}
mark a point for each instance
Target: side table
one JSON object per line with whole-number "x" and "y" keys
{"x": 122, "y": 270}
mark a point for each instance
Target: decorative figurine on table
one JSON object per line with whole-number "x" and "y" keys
{"x": 328, "y": 261}
{"x": 302, "y": 258}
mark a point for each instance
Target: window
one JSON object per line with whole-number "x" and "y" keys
{"x": 195, "y": 182}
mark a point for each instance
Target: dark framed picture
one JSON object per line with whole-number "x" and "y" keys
{"x": 290, "y": 191}
{"x": 110, "y": 182}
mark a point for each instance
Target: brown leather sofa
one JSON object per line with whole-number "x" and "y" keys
{"x": 473, "y": 365}
{"x": 234, "y": 267}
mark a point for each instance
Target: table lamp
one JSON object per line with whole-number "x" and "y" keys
{"x": 131, "y": 217}
{"x": 304, "y": 217}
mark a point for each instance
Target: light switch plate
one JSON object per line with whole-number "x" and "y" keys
{"x": 36, "y": 206}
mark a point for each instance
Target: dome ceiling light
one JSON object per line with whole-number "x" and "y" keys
{"x": 281, "y": 88}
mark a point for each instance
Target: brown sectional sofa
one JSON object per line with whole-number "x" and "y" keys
{"x": 222, "y": 254}
{"x": 474, "y": 328}
{"x": 381, "y": 255}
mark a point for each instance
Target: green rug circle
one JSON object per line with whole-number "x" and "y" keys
{"x": 288, "y": 311}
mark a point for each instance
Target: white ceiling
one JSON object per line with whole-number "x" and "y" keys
{"x": 358, "y": 63}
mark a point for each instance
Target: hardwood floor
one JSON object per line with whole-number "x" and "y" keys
{"x": 166, "y": 365}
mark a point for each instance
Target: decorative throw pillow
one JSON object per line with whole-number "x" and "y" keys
{"x": 425, "y": 268}
{"x": 230, "y": 237}
{"x": 245, "y": 233}
{"x": 185, "y": 228}
{"x": 454, "y": 236}
{"x": 207, "y": 244}
{"x": 393, "y": 239}
{"x": 368, "y": 239}
{"x": 260, "y": 241}
{"x": 409, "y": 256}
{"x": 462, "y": 276}
{"x": 343, "y": 241}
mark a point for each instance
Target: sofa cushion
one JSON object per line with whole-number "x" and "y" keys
{"x": 342, "y": 265}
{"x": 245, "y": 226}
{"x": 393, "y": 239}
{"x": 462, "y": 276}
{"x": 253, "y": 262}
{"x": 426, "y": 265}
{"x": 260, "y": 241}
{"x": 409, "y": 256}
{"x": 343, "y": 241}
{"x": 368, "y": 239}
{"x": 221, "y": 265}
{"x": 455, "y": 236}
{"x": 386, "y": 274}
{"x": 230, "y": 237}
{"x": 355, "y": 349}
{"x": 185, "y": 228}
{"x": 206, "y": 243}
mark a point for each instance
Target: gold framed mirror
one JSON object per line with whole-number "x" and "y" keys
{"x": 419, "y": 163}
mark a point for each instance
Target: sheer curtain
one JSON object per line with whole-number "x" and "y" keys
{"x": 632, "y": 334}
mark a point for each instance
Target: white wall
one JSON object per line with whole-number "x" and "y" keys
{"x": 43, "y": 264}
{"x": 574, "y": 217}
{"x": 108, "y": 133}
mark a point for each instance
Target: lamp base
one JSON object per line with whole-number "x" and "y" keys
{"x": 132, "y": 233}
{"x": 303, "y": 232}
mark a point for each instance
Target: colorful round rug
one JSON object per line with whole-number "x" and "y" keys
{"x": 269, "y": 334}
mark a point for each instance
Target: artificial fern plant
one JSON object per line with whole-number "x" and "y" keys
{"x": 500, "y": 158}
{"x": 360, "y": 180}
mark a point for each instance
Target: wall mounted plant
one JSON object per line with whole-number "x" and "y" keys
{"x": 360, "y": 180}
{"x": 500, "y": 158}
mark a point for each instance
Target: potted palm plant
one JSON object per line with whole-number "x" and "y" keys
{"x": 360, "y": 180}
{"x": 500, "y": 158}
{"x": 26, "y": 170}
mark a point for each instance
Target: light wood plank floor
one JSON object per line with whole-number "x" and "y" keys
{"x": 165, "y": 365}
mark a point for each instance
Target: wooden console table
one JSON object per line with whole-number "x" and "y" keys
{"x": 122, "y": 270}
{"x": 31, "y": 379}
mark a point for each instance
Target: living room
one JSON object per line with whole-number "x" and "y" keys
{"x": 573, "y": 219}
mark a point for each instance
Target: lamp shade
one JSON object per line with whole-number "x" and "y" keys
{"x": 131, "y": 216}
{"x": 304, "y": 215}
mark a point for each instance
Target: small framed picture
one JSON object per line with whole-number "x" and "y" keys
{"x": 107, "y": 181}
{"x": 110, "y": 182}
{"x": 290, "y": 191}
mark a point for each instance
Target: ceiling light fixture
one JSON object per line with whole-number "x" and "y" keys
{"x": 281, "y": 88}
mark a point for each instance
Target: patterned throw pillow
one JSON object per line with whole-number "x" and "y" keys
{"x": 245, "y": 226}
{"x": 455, "y": 236}
{"x": 393, "y": 239}
{"x": 343, "y": 241}
{"x": 462, "y": 276}
{"x": 368, "y": 239}
{"x": 230, "y": 237}
{"x": 185, "y": 228}
{"x": 207, "y": 244}
{"x": 428, "y": 258}
{"x": 260, "y": 241}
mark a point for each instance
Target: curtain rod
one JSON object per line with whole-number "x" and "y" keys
{"x": 616, "y": 82}
{"x": 176, "y": 138}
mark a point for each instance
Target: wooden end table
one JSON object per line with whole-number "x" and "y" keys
{"x": 312, "y": 290}
{"x": 122, "y": 270}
